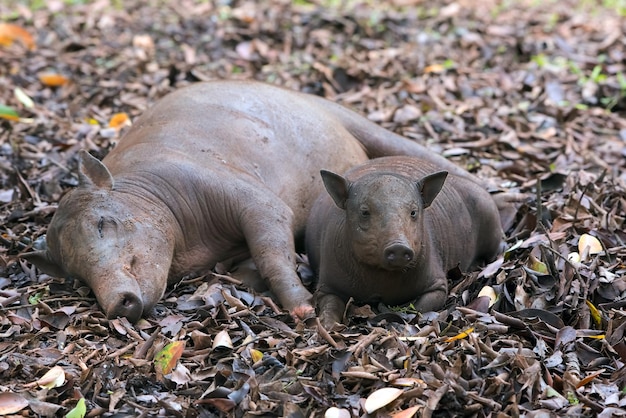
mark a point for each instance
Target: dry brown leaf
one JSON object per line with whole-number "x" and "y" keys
{"x": 11, "y": 403}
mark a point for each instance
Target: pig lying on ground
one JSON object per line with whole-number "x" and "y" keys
{"x": 213, "y": 172}
{"x": 391, "y": 229}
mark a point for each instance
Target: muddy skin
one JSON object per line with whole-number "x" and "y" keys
{"x": 390, "y": 230}
{"x": 217, "y": 171}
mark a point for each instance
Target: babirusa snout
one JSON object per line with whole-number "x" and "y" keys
{"x": 398, "y": 254}
{"x": 125, "y": 304}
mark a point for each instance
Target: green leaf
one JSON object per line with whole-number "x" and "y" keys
{"x": 8, "y": 113}
{"x": 166, "y": 359}
{"x": 79, "y": 410}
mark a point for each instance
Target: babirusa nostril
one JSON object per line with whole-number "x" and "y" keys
{"x": 398, "y": 255}
{"x": 127, "y": 305}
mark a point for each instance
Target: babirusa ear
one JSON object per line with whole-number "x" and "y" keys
{"x": 42, "y": 260}
{"x": 92, "y": 172}
{"x": 337, "y": 187}
{"x": 430, "y": 186}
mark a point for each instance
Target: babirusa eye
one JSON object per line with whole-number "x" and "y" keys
{"x": 100, "y": 225}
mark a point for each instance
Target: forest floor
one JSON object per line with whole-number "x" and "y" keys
{"x": 530, "y": 96}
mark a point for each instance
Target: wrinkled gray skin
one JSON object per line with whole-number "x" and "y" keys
{"x": 391, "y": 229}
{"x": 218, "y": 171}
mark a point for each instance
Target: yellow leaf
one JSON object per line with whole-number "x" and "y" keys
{"x": 380, "y": 398}
{"x": 54, "y": 378}
{"x": 10, "y": 33}
{"x": 8, "y": 113}
{"x": 461, "y": 335}
{"x": 591, "y": 242}
{"x": 490, "y": 293}
{"x": 256, "y": 355}
{"x": 166, "y": 359}
{"x": 52, "y": 79}
{"x": 595, "y": 313}
{"x": 119, "y": 120}
{"x": 537, "y": 265}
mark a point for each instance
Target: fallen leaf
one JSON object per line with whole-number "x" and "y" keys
{"x": 592, "y": 243}
{"x": 537, "y": 265}
{"x": 589, "y": 378}
{"x": 23, "y": 98}
{"x": 490, "y": 293}
{"x": 460, "y": 335}
{"x": 334, "y": 412}
{"x": 79, "y": 410}
{"x": 10, "y": 403}
{"x": 573, "y": 257}
{"x": 54, "y": 378}
{"x": 8, "y": 113}
{"x": 408, "y": 382}
{"x": 380, "y": 398}
{"x": 166, "y": 359}
{"x": 256, "y": 355}
{"x": 119, "y": 120}
{"x": 222, "y": 340}
{"x": 10, "y": 33}
{"x": 434, "y": 68}
{"x": 407, "y": 413}
{"x": 52, "y": 79}
{"x": 595, "y": 313}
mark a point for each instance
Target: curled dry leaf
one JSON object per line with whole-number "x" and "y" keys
{"x": 54, "y": 378}
{"x": 10, "y": 403}
{"x": 381, "y": 398}
{"x": 490, "y": 293}
{"x": 222, "y": 340}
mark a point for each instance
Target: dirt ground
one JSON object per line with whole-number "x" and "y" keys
{"x": 530, "y": 96}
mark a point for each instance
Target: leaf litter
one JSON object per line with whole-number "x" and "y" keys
{"x": 530, "y": 96}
